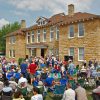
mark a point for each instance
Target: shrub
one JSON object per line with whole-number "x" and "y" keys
{"x": 20, "y": 60}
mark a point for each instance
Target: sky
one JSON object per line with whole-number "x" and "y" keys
{"x": 30, "y": 10}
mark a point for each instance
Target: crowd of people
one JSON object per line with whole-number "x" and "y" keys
{"x": 46, "y": 73}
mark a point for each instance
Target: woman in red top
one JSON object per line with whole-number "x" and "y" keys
{"x": 32, "y": 69}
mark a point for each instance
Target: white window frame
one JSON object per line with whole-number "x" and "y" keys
{"x": 28, "y": 35}
{"x": 44, "y": 33}
{"x": 83, "y": 29}
{"x": 32, "y": 35}
{"x": 57, "y": 33}
{"x": 12, "y": 40}
{"x": 51, "y": 31}
{"x": 38, "y": 33}
{"x": 13, "y": 53}
{"x": 70, "y": 51}
{"x": 79, "y": 54}
{"x": 33, "y": 49}
{"x": 10, "y": 53}
{"x": 69, "y": 31}
{"x": 51, "y": 51}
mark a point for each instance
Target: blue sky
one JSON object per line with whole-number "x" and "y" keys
{"x": 30, "y": 10}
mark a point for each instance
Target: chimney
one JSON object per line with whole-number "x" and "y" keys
{"x": 71, "y": 10}
{"x": 23, "y": 24}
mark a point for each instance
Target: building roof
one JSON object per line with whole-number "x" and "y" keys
{"x": 41, "y": 18}
{"x": 51, "y": 21}
{"x": 58, "y": 19}
{"x": 62, "y": 19}
{"x": 77, "y": 17}
{"x": 17, "y": 32}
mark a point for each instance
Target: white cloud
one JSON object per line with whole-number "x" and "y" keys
{"x": 3, "y": 22}
{"x": 19, "y": 13}
{"x": 53, "y": 6}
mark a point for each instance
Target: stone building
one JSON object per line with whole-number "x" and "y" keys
{"x": 76, "y": 34}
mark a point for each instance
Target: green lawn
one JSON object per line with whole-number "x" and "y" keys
{"x": 50, "y": 96}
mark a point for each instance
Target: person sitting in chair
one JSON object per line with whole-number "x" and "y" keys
{"x": 96, "y": 92}
{"x": 7, "y": 90}
{"x": 22, "y": 83}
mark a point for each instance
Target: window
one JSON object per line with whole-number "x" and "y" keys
{"x": 28, "y": 37}
{"x": 71, "y": 31}
{"x": 57, "y": 33}
{"x": 33, "y": 52}
{"x": 43, "y": 22}
{"x": 38, "y": 23}
{"x": 32, "y": 36}
{"x": 44, "y": 35}
{"x": 12, "y": 39}
{"x": 71, "y": 51}
{"x": 51, "y": 34}
{"x": 51, "y": 51}
{"x": 80, "y": 29}
{"x": 38, "y": 36}
{"x": 12, "y": 53}
{"x": 81, "y": 54}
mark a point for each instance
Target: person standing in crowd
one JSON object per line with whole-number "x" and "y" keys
{"x": 71, "y": 67}
{"x": 36, "y": 96}
{"x": 69, "y": 94}
{"x": 96, "y": 92}
{"x": 32, "y": 69}
{"x": 23, "y": 68}
{"x": 80, "y": 93}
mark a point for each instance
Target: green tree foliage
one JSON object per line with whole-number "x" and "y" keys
{"x": 6, "y": 30}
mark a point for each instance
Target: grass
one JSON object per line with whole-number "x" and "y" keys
{"x": 50, "y": 96}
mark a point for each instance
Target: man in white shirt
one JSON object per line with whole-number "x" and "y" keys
{"x": 36, "y": 95}
{"x": 22, "y": 82}
{"x": 69, "y": 94}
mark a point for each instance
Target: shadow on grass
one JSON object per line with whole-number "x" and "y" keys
{"x": 50, "y": 96}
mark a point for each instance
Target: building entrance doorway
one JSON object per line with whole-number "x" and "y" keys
{"x": 42, "y": 52}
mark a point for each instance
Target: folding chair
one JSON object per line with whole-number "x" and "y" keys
{"x": 59, "y": 90}
{"x": 4, "y": 97}
{"x": 23, "y": 91}
{"x": 81, "y": 82}
{"x": 63, "y": 81}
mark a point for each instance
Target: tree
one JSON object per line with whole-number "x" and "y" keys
{"x": 6, "y": 30}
